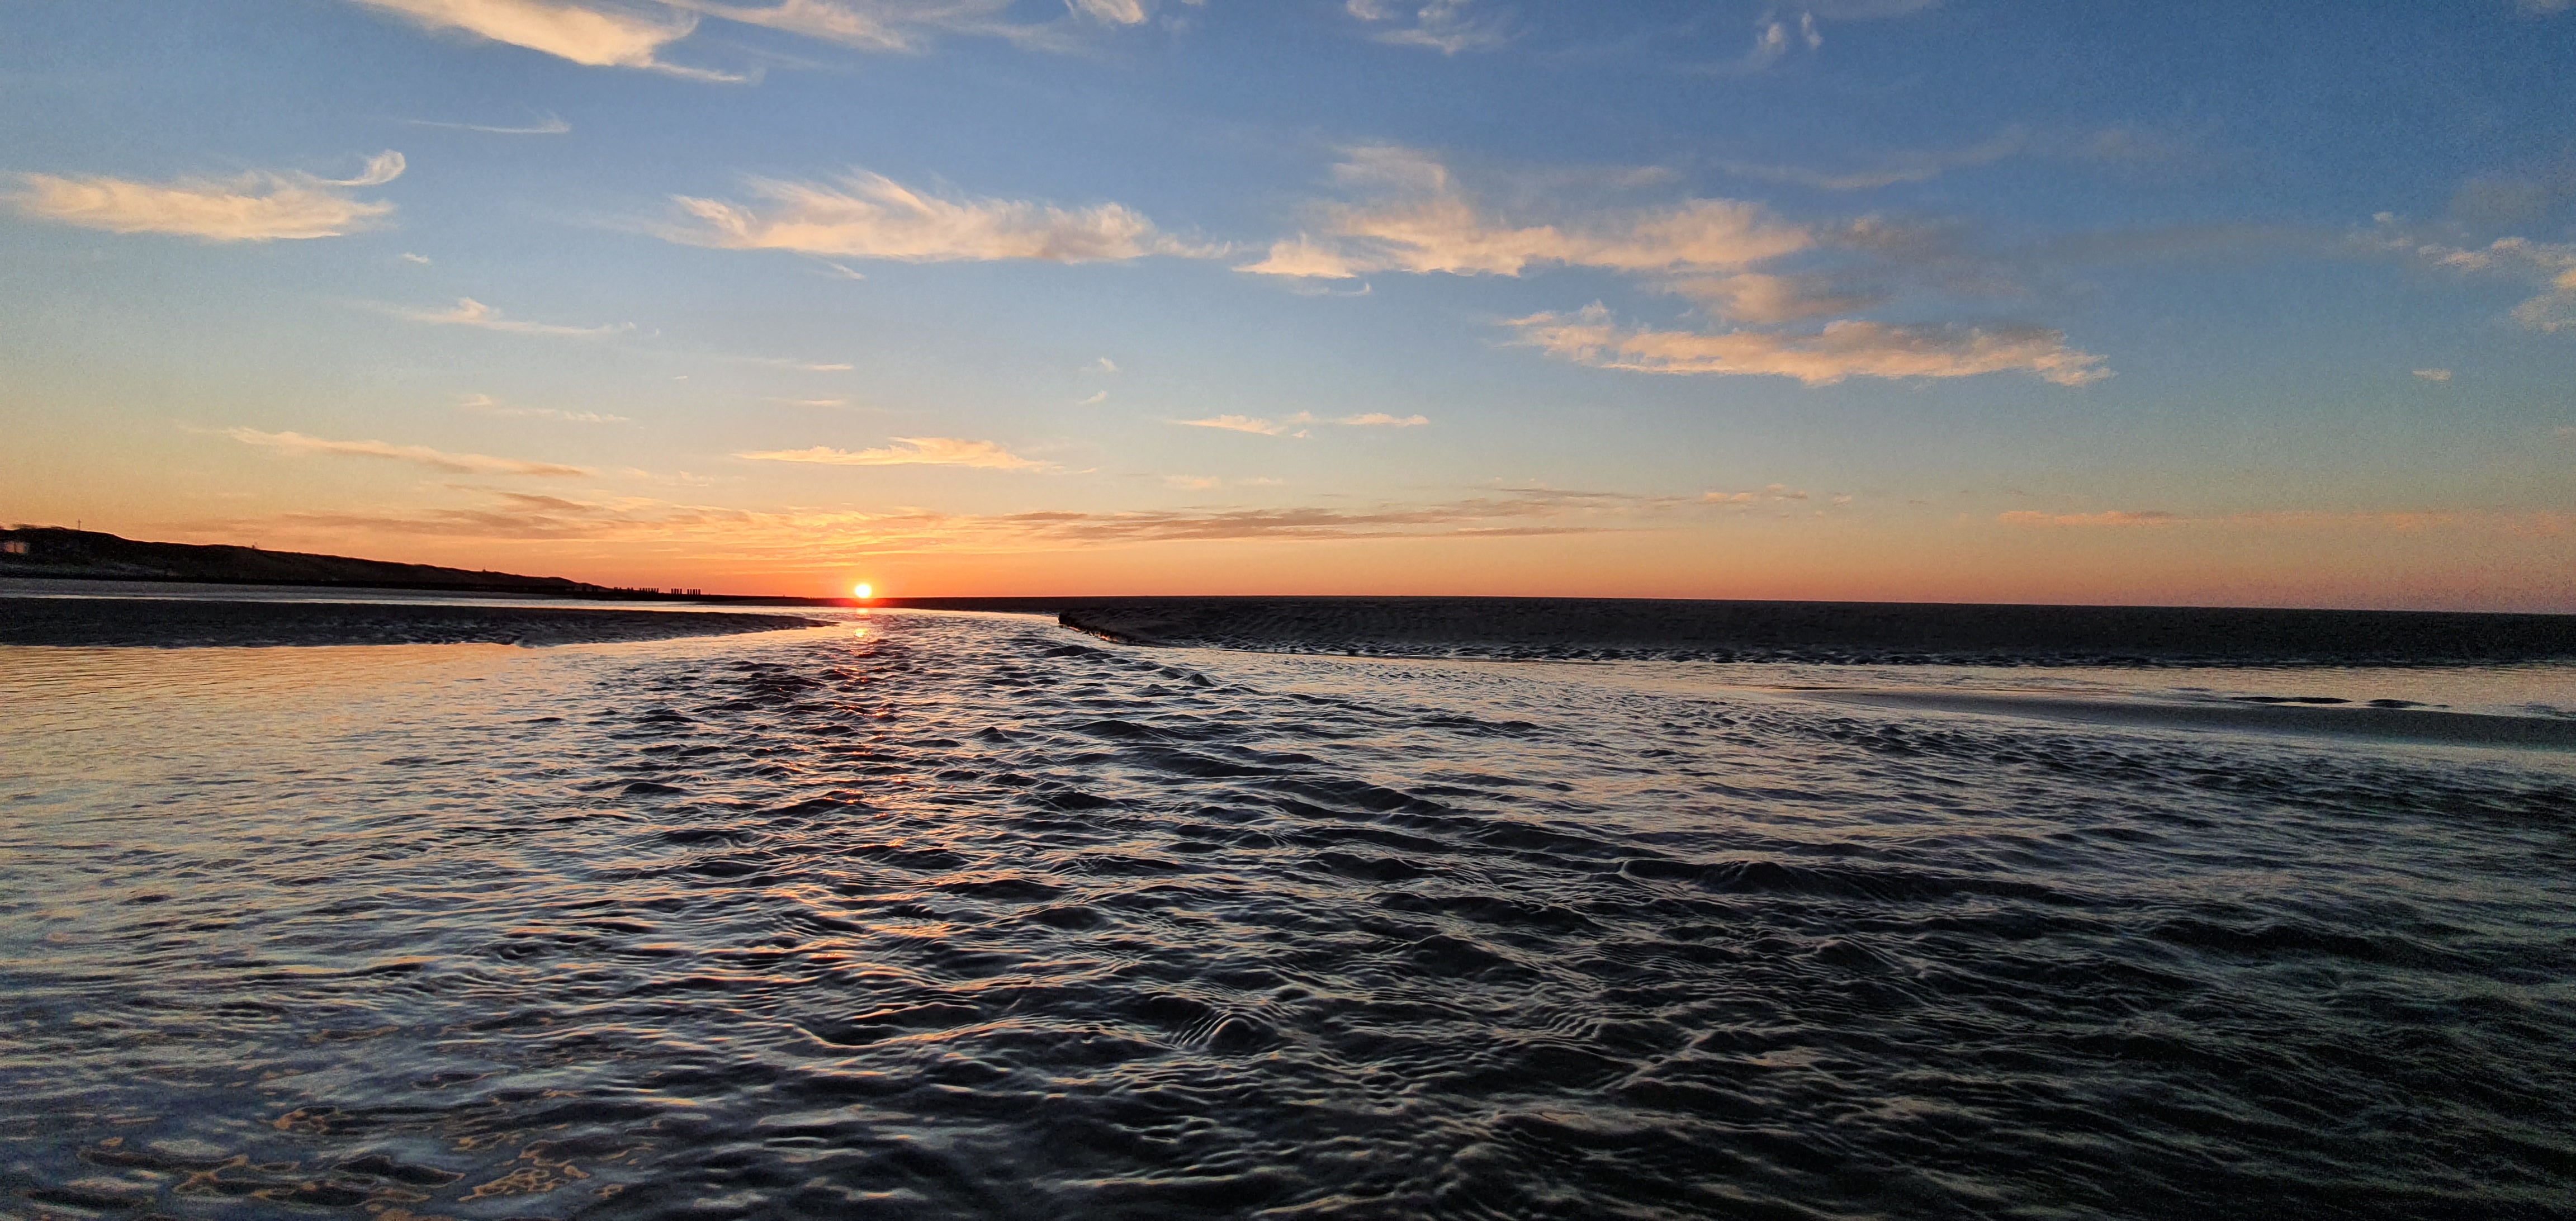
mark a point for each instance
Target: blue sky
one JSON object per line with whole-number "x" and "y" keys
{"x": 1855, "y": 298}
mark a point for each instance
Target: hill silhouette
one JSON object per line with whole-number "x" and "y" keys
{"x": 52, "y": 551}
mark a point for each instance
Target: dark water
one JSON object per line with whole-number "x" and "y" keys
{"x": 976, "y": 916}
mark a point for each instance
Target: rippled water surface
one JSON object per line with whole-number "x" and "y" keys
{"x": 974, "y": 916}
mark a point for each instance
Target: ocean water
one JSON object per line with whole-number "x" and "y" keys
{"x": 947, "y": 915}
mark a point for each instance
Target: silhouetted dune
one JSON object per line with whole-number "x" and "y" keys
{"x": 51, "y": 551}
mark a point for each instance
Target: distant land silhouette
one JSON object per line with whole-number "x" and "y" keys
{"x": 52, "y": 551}
{"x": 1563, "y": 629}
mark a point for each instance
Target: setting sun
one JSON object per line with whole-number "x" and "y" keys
{"x": 862, "y": 591}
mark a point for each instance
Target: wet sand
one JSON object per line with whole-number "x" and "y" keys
{"x": 2359, "y": 721}
{"x": 189, "y": 623}
{"x": 1875, "y": 633}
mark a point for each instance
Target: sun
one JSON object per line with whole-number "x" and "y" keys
{"x": 862, "y": 591}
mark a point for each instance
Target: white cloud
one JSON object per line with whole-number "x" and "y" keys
{"x": 592, "y": 34}
{"x": 473, "y": 313}
{"x": 871, "y": 216}
{"x": 551, "y": 125}
{"x": 299, "y": 445}
{"x": 1295, "y": 425}
{"x": 1842, "y": 350}
{"x": 421, "y": 259}
{"x": 873, "y": 25}
{"x": 1095, "y": 400}
{"x": 844, "y": 272}
{"x": 1773, "y": 38}
{"x": 2434, "y": 375}
{"x": 1440, "y": 25}
{"x": 254, "y": 207}
{"x": 634, "y": 33}
{"x": 484, "y": 404}
{"x": 910, "y": 451}
{"x": 1405, "y": 213}
{"x": 1420, "y": 221}
{"x": 2551, "y": 265}
{"x": 1103, "y": 365}
{"x": 1775, "y": 35}
{"x": 1771, "y": 493}
{"x": 1113, "y": 12}
{"x": 1380, "y": 419}
{"x": 382, "y": 168}
{"x": 1252, "y": 424}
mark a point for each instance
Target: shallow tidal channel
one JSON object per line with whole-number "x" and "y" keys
{"x": 951, "y": 915}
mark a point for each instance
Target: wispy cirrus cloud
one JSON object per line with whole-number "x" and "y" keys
{"x": 1768, "y": 494}
{"x": 473, "y": 313}
{"x": 903, "y": 26}
{"x": 1380, "y": 419}
{"x": 2434, "y": 375}
{"x": 253, "y": 207}
{"x": 1297, "y": 425}
{"x": 484, "y": 404}
{"x": 910, "y": 451}
{"x": 299, "y": 445}
{"x": 2549, "y": 266}
{"x": 635, "y": 33}
{"x": 1777, "y": 34}
{"x": 598, "y": 35}
{"x": 1252, "y": 424}
{"x": 870, "y": 216}
{"x": 2538, "y": 523}
{"x": 1844, "y": 349}
{"x": 1446, "y": 26}
{"x": 1110, "y": 12}
{"x": 788, "y": 539}
{"x": 551, "y": 125}
{"x": 1417, "y": 219}
{"x": 1734, "y": 258}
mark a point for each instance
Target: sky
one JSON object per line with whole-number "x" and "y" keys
{"x": 1953, "y": 300}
